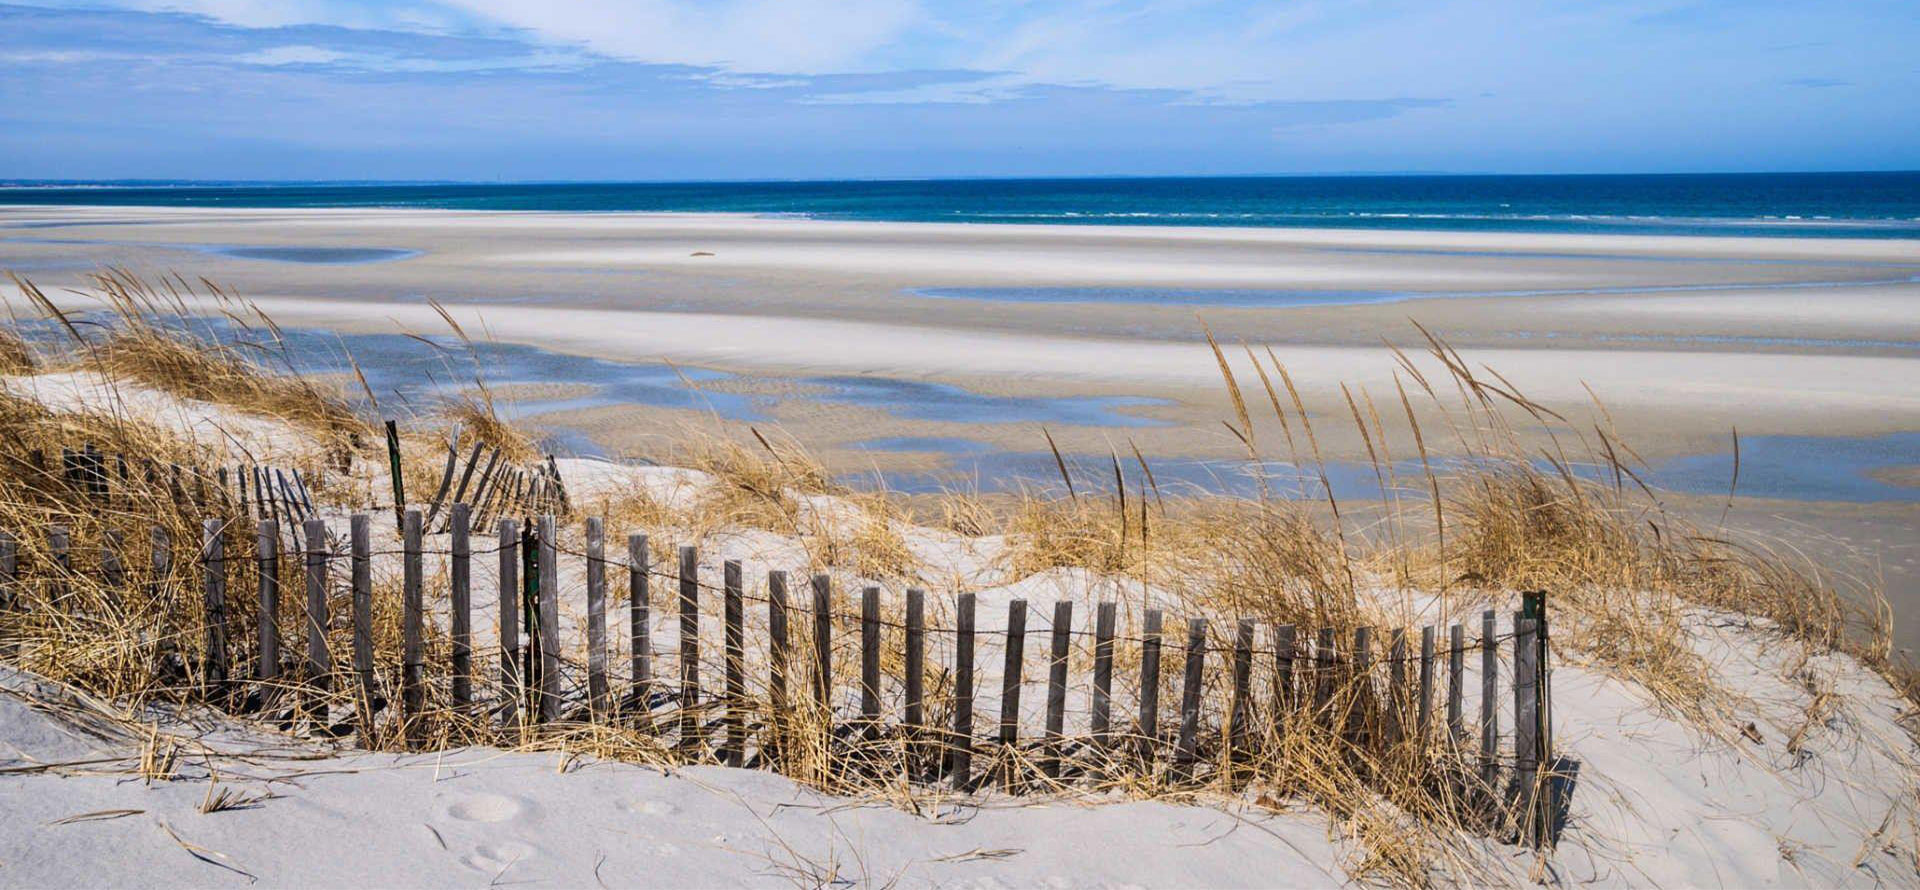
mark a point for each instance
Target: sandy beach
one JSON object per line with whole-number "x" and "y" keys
{"x": 1683, "y": 338}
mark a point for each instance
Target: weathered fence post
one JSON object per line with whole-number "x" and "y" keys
{"x": 213, "y": 561}
{"x": 960, "y": 747}
{"x": 1360, "y": 709}
{"x": 1239, "y": 716}
{"x": 161, "y": 564}
{"x": 319, "y": 663}
{"x": 1284, "y": 697}
{"x": 870, "y": 662}
{"x": 1489, "y": 695}
{"x": 1425, "y": 720}
{"x": 1397, "y": 697}
{"x": 1529, "y": 741}
{"x": 823, "y": 647}
{"x": 640, "y": 621}
{"x": 596, "y": 618}
{"x": 59, "y": 553}
{"x": 460, "y": 579}
{"x": 1187, "y": 746}
{"x": 393, "y": 470}
{"x": 511, "y": 684}
{"x": 9, "y": 581}
{"x": 1323, "y": 677}
{"x": 413, "y": 656}
{"x": 734, "y": 642}
{"x": 360, "y": 534}
{"x": 1100, "y": 721}
{"x": 1010, "y": 691}
{"x": 549, "y": 620}
{"x": 1150, "y": 688}
{"x": 779, "y": 655}
{"x": 113, "y": 566}
{"x": 916, "y": 671}
{"x": 1456, "y": 683}
{"x": 531, "y": 640}
{"x": 691, "y": 740}
{"x": 1057, "y": 688}
{"x": 267, "y": 545}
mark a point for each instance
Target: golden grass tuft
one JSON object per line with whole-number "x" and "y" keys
{"x": 16, "y": 357}
{"x": 139, "y": 347}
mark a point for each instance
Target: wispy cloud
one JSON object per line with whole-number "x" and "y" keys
{"x": 570, "y": 88}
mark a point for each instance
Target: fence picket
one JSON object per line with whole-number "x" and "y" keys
{"x": 597, "y": 686}
{"x": 823, "y": 647}
{"x": 60, "y": 556}
{"x": 1101, "y": 719}
{"x": 779, "y": 655}
{"x": 1240, "y": 706}
{"x": 1526, "y": 706}
{"x": 1323, "y": 678}
{"x": 691, "y": 738}
{"x": 734, "y": 642}
{"x": 1424, "y": 723}
{"x": 1010, "y": 681}
{"x": 639, "y": 622}
{"x": 511, "y": 686}
{"x": 1186, "y": 750}
{"x": 1456, "y": 683}
{"x": 113, "y": 566}
{"x": 549, "y": 590}
{"x": 1057, "y": 687}
{"x": 1394, "y": 726}
{"x": 916, "y": 679}
{"x": 1489, "y": 694}
{"x": 360, "y": 540}
{"x": 413, "y": 668}
{"x": 1149, "y": 726}
{"x": 267, "y": 550}
{"x": 213, "y": 562}
{"x": 1284, "y": 697}
{"x": 9, "y": 572}
{"x": 960, "y": 746}
{"x": 319, "y": 668}
{"x": 460, "y": 593}
{"x": 870, "y": 661}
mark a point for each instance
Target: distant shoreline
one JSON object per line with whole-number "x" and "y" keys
{"x": 1874, "y": 205}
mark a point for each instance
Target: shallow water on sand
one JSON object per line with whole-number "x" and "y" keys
{"x": 1269, "y": 298}
{"x": 407, "y": 373}
{"x": 1795, "y": 468}
{"x": 324, "y": 256}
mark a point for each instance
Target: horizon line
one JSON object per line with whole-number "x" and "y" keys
{"x": 133, "y": 182}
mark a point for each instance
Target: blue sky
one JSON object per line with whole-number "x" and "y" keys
{"x": 731, "y": 89}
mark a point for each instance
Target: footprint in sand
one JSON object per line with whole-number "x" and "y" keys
{"x": 495, "y": 858}
{"x": 488, "y": 808}
{"x": 649, "y": 807}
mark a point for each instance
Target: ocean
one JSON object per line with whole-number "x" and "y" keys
{"x": 1824, "y": 205}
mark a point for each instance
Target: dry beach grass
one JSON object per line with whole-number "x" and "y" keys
{"x": 1487, "y": 514}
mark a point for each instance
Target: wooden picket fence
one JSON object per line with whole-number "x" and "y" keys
{"x": 1409, "y": 700}
{"x": 501, "y": 489}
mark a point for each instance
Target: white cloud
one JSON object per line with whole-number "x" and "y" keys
{"x": 293, "y": 55}
{"x": 766, "y": 36}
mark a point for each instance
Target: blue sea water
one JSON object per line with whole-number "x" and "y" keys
{"x": 1836, "y": 205}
